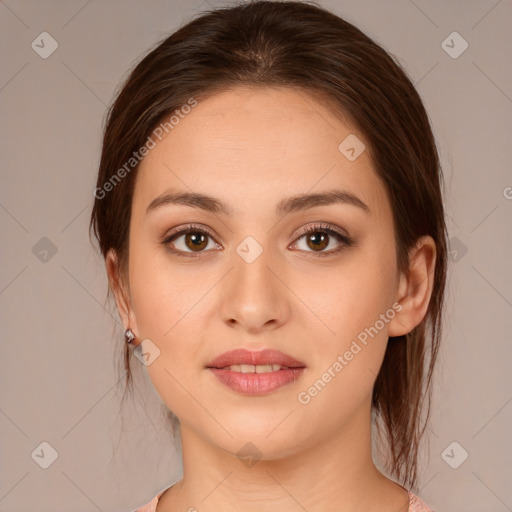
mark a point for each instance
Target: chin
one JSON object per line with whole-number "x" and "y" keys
{"x": 257, "y": 444}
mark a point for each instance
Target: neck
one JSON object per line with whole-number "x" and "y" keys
{"x": 337, "y": 473}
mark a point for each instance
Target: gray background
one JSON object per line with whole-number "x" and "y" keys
{"x": 58, "y": 378}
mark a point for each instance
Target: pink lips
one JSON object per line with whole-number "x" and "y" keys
{"x": 256, "y": 383}
{"x": 266, "y": 356}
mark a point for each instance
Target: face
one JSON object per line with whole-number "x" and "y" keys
{"x": 315, "y": 280}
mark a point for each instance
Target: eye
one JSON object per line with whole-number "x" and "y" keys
{"x": 189, "y": 241}
{"x": 319, "y": 236}
{"x": 193, "y": 240}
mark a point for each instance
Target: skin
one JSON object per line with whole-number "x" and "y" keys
{"x": 251, "y": 148}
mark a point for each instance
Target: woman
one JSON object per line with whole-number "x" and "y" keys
{"x": 270, "y": 212}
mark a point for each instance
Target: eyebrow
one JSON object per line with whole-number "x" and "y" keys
{"x": 285, "y": 206}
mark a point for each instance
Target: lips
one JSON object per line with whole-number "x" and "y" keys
{"x": 256, "y": 373}
{"x": 255, "y": 358}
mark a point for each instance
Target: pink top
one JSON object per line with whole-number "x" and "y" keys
{"x": 415, "y": 504}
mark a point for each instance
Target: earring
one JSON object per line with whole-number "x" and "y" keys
{"x": 129, "y": 336}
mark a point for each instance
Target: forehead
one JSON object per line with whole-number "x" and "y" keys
{"x": 245, "y": 145}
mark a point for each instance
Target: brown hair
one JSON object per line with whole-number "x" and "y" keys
{"x": 301, "y": 45}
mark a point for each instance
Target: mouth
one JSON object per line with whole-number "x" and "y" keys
{"x": 263, "y": 361}
{"x": 256, "y": 373}
{"x": 251, "y": 368}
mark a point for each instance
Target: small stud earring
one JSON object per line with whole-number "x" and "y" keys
{"x": 129, "y": 336}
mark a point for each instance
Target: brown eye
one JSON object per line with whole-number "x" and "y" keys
{"x": 196, "y": 240}
{"x": 319, "y": 237}
{"x": 187, "y": 241}
{"x": 317, "y": 240}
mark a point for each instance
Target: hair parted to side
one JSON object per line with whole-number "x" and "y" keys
{"x": 304, "y": 46}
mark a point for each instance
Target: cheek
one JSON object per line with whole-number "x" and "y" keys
{"x": 355, "y": 306}
{"x": 349, "y": 297}
{"x": 172, "y": 301}
{"x": 347, "y": 361}
{"x": 168, "y": 308}
{"x": 163, "y": 294}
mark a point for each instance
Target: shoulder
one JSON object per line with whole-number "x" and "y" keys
{"x": 151, "y": 506}
{"x": 416, "y": 504}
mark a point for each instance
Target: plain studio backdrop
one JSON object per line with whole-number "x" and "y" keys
{"x": 59, "y": 390}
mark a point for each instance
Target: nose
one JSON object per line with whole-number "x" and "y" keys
{"x": 253, "y": 297}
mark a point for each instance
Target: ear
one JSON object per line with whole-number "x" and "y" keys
{"x": 415, "y": 287}
{"x": 121, "y": 292}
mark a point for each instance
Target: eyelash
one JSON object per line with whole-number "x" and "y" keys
{"x": 345, "y": 240}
